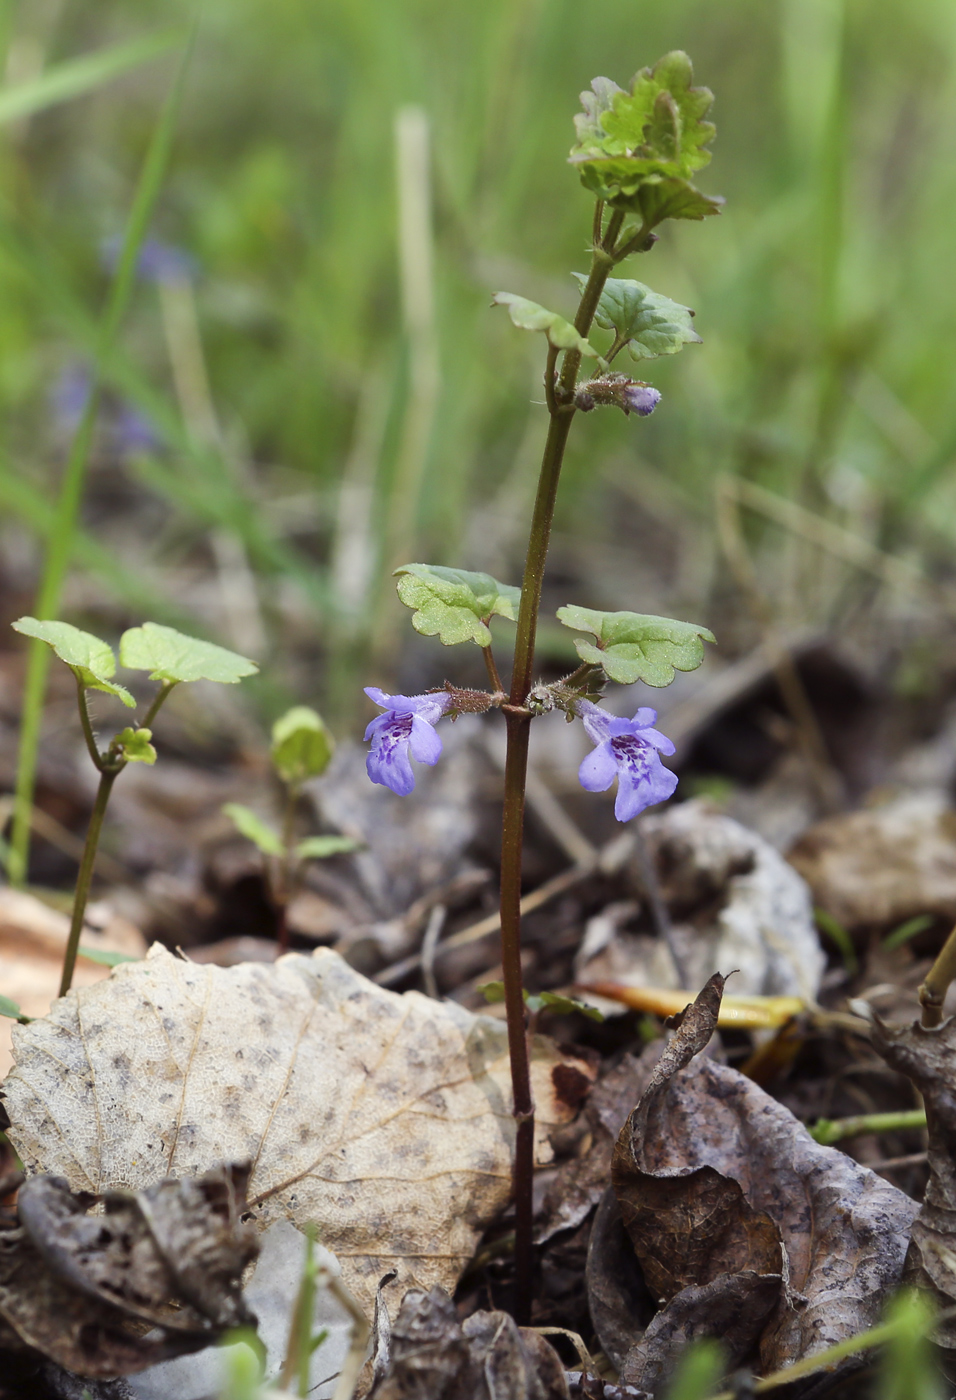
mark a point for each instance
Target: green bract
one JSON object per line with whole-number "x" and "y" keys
{"x": 321, "y": 847}
{"x": 254, "y": 829}
{"x": 529, "y": 316}
{"x": 455, "y": 603}
{"x": 651, "y": 324}
{"x": 135, "y": 746}
{"x": 90, "y": 660}
{"x": 301, "y": 745}
{"x": 171, "y": 656}
{"x": 635, "y": 646}
{"x": 654, "y": 132}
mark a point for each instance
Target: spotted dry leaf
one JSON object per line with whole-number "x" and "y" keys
{"x": 383, "y": 1118}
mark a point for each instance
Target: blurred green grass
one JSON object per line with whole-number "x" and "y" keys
{"x": 822, "y": 293}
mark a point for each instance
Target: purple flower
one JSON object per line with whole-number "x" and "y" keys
{"x": 157, "y": 261}
{"x": 641, "y": 399}
{"x": 408, "y": 723}
{"x": 627, "y": 749}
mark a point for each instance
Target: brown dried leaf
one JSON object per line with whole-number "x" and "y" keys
{"x": 716, "y": 1178}
{"x": 925, "y": 1055}
{"x": 83, "y": 1289}
{"x": 385, "y": 1119}
{"x": 432, "y": 1356}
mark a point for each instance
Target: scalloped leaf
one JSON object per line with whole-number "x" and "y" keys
{"x": 529, "y": 316}
{"x": 660, "y": 199}
{"x": 455, "y": 604}
{"x": 302, "y": 745}
{"x": 321, "y": 847}
{"x": 637, "y": 646}
{"x": 172, "y": 656}
{"x": 653, "y": 324}
{"x": 251, "y": 826}
{"x": 134, "y": 745}
{"x": 89, "y": 658}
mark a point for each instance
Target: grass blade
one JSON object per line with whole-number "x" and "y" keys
{"x": 77, "y": 76}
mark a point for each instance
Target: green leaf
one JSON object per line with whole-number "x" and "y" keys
{"x": 302, "y": 746}
{"x": 564, "y": 1006}
{"x": 455, "y": 604}
{"x": 104, "y": 957}
{"x": 907, "y": 930}
{"x": 637, "y": 647}
{"x": 659, "y": 199}
{"x": 655, "y": 131}
{"x": 254, "y": 829}
{"x": 321, "y": 847}
{"x": 134, "y": 745}
{"x": 172, "y": 656}
{"x": 542, "y": 1001}
{"x": 89, "y": 658}
{"x": 529, "y": 316}
{"x": 652, "y": 324}
{"x": 10, "y": 1008}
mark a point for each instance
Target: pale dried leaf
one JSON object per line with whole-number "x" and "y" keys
{"x": 384, "y": 1119}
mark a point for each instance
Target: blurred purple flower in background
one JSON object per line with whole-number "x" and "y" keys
{"x": 627, "y": 749}
{"x": 408, "y": 723}
{"x": 157, "y": 262}
{"x": 128, "y": 430}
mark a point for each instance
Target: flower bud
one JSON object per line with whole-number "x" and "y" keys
{"x": 630, "y": 395}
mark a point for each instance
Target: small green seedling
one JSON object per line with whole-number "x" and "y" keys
{"x": 172, "y": 659}
{"x": 537, "y": 1002}
{"x": 11, "y": 1009}
{"x": 302, "y": 748}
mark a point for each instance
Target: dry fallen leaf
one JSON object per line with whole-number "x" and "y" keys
{"x": 79, "y": 1287}
{"x": 32, "y": 943}
{"x": 383, "y": 1118}
{"x": 925, "y": 1055}
{"x": 722, "y": 1189}
{"x": 429, "y": 1353}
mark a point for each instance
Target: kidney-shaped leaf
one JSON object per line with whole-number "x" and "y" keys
{"x": 172, "y": 656}
{"x": 90, "y": 660}
{"x": 454, "y": 604}
{"x": 384, "y": 1119}
{"x": 636, "y": 646}
{"x": 651, "y": 324}
{"x": 529, "y": 316}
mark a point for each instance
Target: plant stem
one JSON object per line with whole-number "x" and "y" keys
{"x": 282, "y": 891}
{"x": 932, "y": 993}
{"x": 830, "y": 1130}
{"x": 518, "y": 722}
{"x": 82, "y": 701}
{"x": 108, "y": 777}
{"x": 161, "y": 695}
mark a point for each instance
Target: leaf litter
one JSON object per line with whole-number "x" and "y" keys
{"x": 744, "y": 1228}
{"x": 384, "y": 1119}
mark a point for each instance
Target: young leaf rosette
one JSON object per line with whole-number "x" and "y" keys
{"x": 455, "y": 605}
{"x": 638, "y": 149}
{"x": 637, "y": 646}
{"x": 90, "y": 659}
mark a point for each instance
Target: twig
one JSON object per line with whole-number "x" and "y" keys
{"x": 436, "y": 922}
{"x": 933, "y": 991}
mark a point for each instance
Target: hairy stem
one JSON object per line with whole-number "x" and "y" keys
{"x": 82, "y": 700}
{"x": 108, "y": 776}
{"x": 518, "y": 722}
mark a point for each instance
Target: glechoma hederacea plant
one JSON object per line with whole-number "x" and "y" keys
{"x": 636, "y": 151}
{"x": 172, "y": 659}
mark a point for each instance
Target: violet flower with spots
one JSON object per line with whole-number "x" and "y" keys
{"x": 627, "y": 749}
{"x": 408, "y": 723}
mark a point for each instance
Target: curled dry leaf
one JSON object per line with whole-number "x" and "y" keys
{"x": 925, "y": 1055}
{"x": 79, "y": 1287}
{"x": 384, "y": 1119}
{"x": 430, "y": 1353}
{"x": 723, "y": 1192}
